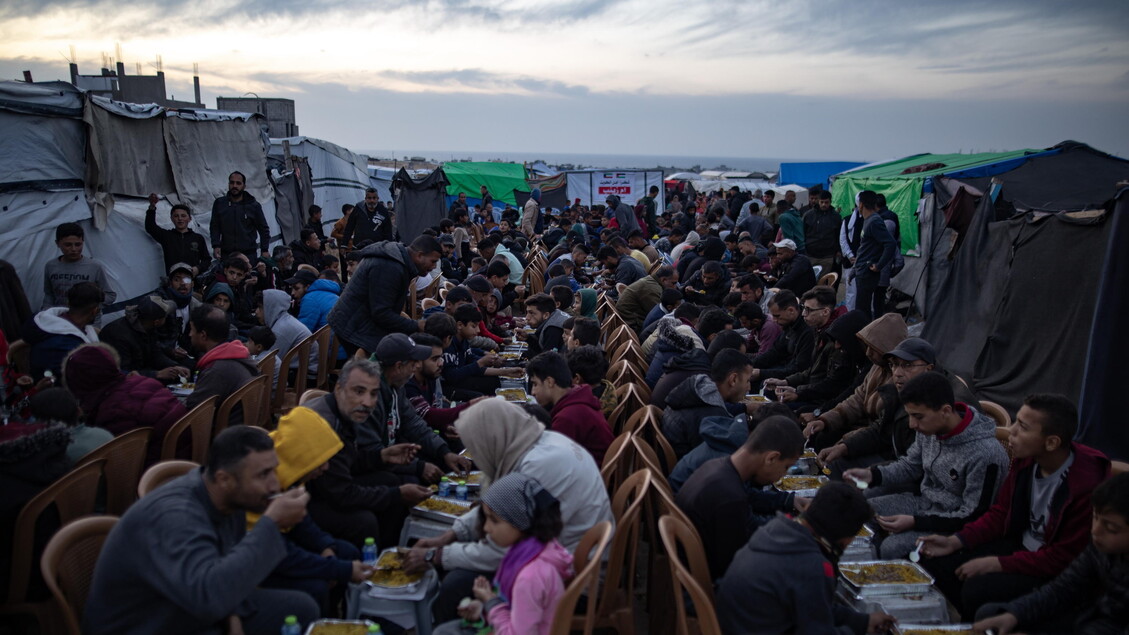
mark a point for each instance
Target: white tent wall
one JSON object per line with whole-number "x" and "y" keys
{"x": 339, "y": 175}
{"x": 593, "y": 186}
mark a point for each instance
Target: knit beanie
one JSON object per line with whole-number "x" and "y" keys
{"x": 303, "y": 441}
{"x": 89, "y": 371}
{"x": 516, "y": 498}
{"x": 837, "y": 511}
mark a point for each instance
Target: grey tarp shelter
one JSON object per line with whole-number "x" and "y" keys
{"x": 420, "y": 203}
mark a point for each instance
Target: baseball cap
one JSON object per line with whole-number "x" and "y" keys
{"x": 398, "y": 347}
{"x": 154, "y": 307}
{"x": 305, "y": 277}
{"x": 787, "y": 243}
{"x": 913, "y": 349}
{"x": 478, "y": 284}
{"x": 180, "y": 266}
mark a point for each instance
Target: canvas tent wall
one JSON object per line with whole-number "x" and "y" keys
{"x": 592, "y": 187}
{"x": 380, "y": 178}
{"x": 554, "y": 192}
{"x": 47, "y": 177}
{"x": 338, "y": 175}
{"x": 500, "y": 179}
{"x": 420, "y": 203}
{"x": 809, "y": 174}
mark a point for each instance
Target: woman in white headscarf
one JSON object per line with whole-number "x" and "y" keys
{"x": 692, "y": 240}
{"x": 503, "y": 438}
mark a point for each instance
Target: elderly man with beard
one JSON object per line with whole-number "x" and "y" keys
{"x": 359, "y": 496}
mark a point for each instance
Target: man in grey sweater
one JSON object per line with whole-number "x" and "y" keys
{"x": 182, "y": 561}
{"x": 955, "y": 458}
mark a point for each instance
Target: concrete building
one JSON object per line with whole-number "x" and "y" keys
{"x": 279, "y": 112}
{"x": 137, "y": 89}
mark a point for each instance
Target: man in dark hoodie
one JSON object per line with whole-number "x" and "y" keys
{"x": 307, "y": 249}
{"x": 717, "y": 497}
{"x": 575, "y": 410}
{"x": 623, "y": 214}
{"x": 134, "y": 337}
{"x": 236, "y": 219}
{"x": 224, "y": 366}
{"x": 718, "y": 394}
{"x": 721, "y": 436}
{"x": 793, "y": 350}
{"x": 755, "y": 596}
{"x": 179, "y": 244}
{"x": 371, "y": 304}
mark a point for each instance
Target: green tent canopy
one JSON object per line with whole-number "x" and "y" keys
{"x": 499, "y": 178}
{"x": 902, "y": 183}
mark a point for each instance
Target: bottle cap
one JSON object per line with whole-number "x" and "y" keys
{"x": 370, "y": 541}
{"x": 291, "y": 620}
{"x": 462, "y": 482}
{"x": 444, "y": 479}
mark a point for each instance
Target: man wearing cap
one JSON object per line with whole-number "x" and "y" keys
{"x": 236, "y": 218}
{"x": 173, "y": 334}
{"x": 793, "y": 270}
{"x": 371, "y": 305}
{"x": 179, "y": 244}
{"x": 393, "y": 418}
{"x": 134, "y": 337}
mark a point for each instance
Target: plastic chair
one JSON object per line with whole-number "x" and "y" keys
{"x": 19, "y": 356}
{"x": 693, "y": 576}
{"x": 310, "y": 395}
{"x": 635, "y": 421}
{"x": 618, "y": 463}
{"x": 997, "y": 412}
{"x": 124, "y": 458}
{"x": 198, "y": 422}
{"x": 413, "y": 299}
{"x": 589, "y": 554}
{"x": 73, "y": 495}
{"x": 162, "y": 473}
{"x": 1118, "y": 467}
{"x": 829, "y": 279}
{"x": 68, "y": 564}
{"x": 650, "y": 431}
{"x": 327, "y": 356}
{"x": 284, "y": 391}
{"x": 251, "y": 397}
{"x": 614, "y": 605}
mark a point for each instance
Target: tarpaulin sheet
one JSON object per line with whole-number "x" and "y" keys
{"x": 901, "y": 195}
{"x": 814, "y": 173}
{"x": 339, "y": 175}
{"x": 419, "y": 204}
{"x": 500, "y": 179}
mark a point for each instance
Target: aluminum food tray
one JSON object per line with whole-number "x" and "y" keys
{"x": 406, "y": 588}
{"x": 804, "y": 493}
{"x": 927, "y": 608}
{"x": 908, "y": 629}
{"x": 454, "y": 478}
{"x": 875, "y": 590}
{"x": 365, "y": 623}
{"x": 443, "y": 517}
{"x": 524, "y": 398}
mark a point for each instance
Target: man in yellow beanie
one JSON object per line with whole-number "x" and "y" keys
{"x": 315, "y": 561}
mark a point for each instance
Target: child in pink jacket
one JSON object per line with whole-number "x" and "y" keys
{"x": 529, "y": 583}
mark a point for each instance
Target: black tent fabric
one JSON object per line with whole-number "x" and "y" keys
{"x": 419, "y": 204}
{"x": 1102, "y": 411}
{"x": 556, "y": 198}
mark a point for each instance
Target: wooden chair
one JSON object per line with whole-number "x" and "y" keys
{"x": 73, "y": 495}
{"x": 589, "y": 555}
{"x": 660, "y": 590}
{"x": 19, "y": 356}
{"x": 693, "y": 576}
{"x": 124, "y": 458}
{"x": 997, "y": 412}
{"x": 266, "y": 367}
{"x": 310, "y": 395}
{"x": 829, "y": 279}
{"x": 327, "y": 356}
{"x": 68, "y": 564}
{"x": 198, "y": 422}
{"x": 250, "y": 397}
{"x": 620, "y": 287}
{"x": 615, "y": 602}
{"x": 632, "y": 354}
{"x": 285, "y": 393}
{"x": 162, "y": 473}
{"x": 267, "y": 363}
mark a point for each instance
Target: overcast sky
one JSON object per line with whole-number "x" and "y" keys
{"x": 826, "y": 79}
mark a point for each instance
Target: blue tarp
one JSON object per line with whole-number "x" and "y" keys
{"x": 814, "y": 173}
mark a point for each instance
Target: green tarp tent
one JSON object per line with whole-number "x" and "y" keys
{"x": 501, "y": 179}
{"x": 902, "y": 183}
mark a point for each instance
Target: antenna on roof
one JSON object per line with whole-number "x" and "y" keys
{"x": 118, "y": 51}
{"x": 138, "y": 67}
{"x": 195, "y": 68}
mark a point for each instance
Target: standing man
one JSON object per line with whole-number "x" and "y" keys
{"x": 179, "y": 244}
{"x": 371, "y": 304}
{"x": 531, "y": 214}
{"x": 649, "y": 207}
{"x": 821, "y": 232}
{"x": 875, "y": 252}
{"x": 236, "y": 218}
{"x": 71, "y": 268}
{"x": 370, "y": 220}
{"x": 623, "y": 214}
{"x": 459, "y": 204}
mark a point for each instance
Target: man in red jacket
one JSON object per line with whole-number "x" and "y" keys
{"x": 575, "y": 409}
{"x": 1041, "y": 518}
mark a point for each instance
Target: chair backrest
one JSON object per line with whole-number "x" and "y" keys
{"x": 636, "y": 419}
{"x": 1118, "y": 467}
{"x": 627, "y": 507}
{"x": 327, "y": 356}
{"x": 618, "y": 462}
{"x": 68, "y": 564}
{"x": 267, "y": 363}
{"x": 19, "y": 356}
{"x": 311, "y": 394}
{"x": 997, "y": 412}
{"x": 829, "y": 279}
{"x": 250, "y": 396}
{"x": 413, "y": 302}
{"x": 650, "y": 430}
{"x": 586, "y": 561}
{"x": 125, "y": 458}
{"x": 73, "y": 495}
{"x": 681, "y": 541}
{"x": 301, "y": 352}
{"x": 162, "y": 473}
{"x": 198, "y": 422}
{"x": 648, "y": 459}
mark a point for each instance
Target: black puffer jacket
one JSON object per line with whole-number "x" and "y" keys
{"x": 234, "y": 226}
{"x": 686, "y": 407}
{"x": 370, "y": 306}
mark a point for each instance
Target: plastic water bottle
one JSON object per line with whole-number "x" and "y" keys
{"x": 444, "y": 487}
{"x": 461, "y": 491}
{"x": 290, "y": 626}
{"x": 368, "y": 553}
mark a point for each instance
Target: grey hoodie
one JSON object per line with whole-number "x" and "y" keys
{"x": 288, "y": 331}
{"x": 959, "y": 474}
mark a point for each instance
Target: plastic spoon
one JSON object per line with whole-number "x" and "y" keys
{"x": 915, "y": 555}
{"x": 859, "y": 483}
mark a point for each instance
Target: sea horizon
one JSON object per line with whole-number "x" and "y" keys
{"x": 596, "y": 160}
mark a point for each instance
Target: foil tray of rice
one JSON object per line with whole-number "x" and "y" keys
{"x": 339, "y": 627}
{"x": 516, "y": 395}
{"x": 473, "y": 479}
{"x": 803, "y": 486}
{"x": 390, "y": 574}
{"x": 444, "y": 510}
{"x": 933, "y": 629}
{"x": 885, "y": 577}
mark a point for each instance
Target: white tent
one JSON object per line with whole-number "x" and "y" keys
{"x": 339, "y": 175}
{"x": 592, "y": 187}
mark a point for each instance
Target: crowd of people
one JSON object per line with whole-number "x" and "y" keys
{"x": 730, "y": 294}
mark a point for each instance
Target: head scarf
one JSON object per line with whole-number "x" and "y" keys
{"x": 516, "y": 499}
{"x": 90, "y": 372}
{"x": 497, "y": 434}
{"x": 588, "y": 298}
